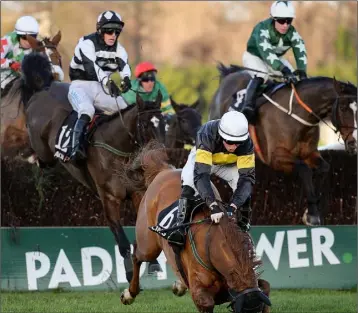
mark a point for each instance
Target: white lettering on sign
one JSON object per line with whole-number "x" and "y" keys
{"x": 273, "y": 252}
{"x": 88, "y": 278}
{"x": 34, "y": 274}
{"x": 63, "y": 272}
{"x": 323, "y": 248}
{"x": 295, "y": 248}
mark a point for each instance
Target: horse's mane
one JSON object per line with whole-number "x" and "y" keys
{"x": 147, "y": 163}
{"x": 242, "y": 247}
{"x": 226, "y": 70}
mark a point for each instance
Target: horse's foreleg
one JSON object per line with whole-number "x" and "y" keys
{"x": 112, "y": 207}
{"x": 128, "y": 295}
{"x": 203, "y": 300}
{"x": 265, "y": 287}
{"x": 306, "y": 174}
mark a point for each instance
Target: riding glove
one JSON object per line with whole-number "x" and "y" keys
{"x": 113, "y": 89}
{"x": 15, "y": 66}
{"x": 301, "y": 74}
{"x": 216, "y": 213}
{"x": 288, "y": 75}
{"x": 125, "y": 84}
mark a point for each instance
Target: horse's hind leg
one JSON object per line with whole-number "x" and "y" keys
{"x": 128, "y": 295}
{"x": 265, "y": 287}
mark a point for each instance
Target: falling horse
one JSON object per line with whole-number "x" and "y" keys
{"x": 14, "y": 139}
{"x": 110, "y": 146}
{"x": 286, "y": 131}
{"x": 218, "y": 262}
{"x": 183, "y": 126}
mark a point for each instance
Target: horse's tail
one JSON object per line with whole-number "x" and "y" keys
{"x": 226, "y": 70}
{"x": 144, "y": 167}
{"x": 36, "y": 71}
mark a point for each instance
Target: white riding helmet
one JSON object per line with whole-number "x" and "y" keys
{"x": 283, "y": 9}
{"x": 27, "y": 25}
{"x": 234, "y": 126}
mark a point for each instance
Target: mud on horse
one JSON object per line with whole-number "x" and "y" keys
{"x": 286, "y": 131}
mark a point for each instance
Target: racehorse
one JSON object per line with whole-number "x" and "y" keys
{"x": 217, "y": 264}
{"x": 183, "y": 126}
{"x": 13, "y": 137}
{"x": 109, "y": 146}
{"x": 286, "y": 131}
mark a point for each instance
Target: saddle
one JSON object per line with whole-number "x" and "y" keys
{"x": 270, "y": 88}
{"x": 63, "y": 146}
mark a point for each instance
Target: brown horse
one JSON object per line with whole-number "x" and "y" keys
{"x": 111, "y": 145}
{"x": 182, "y": 128}
{"x": 286, "y": 131}
{"x": 218, "y": 263}
{"x": 13, "y": 135}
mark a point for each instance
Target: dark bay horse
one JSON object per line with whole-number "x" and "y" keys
{"x": 286, "y": 131}
{"x": 183, "y": 126}
{"x": 223, "y": 267}
{"x": 13, "y": 135}
{"x": 112, "y": 144}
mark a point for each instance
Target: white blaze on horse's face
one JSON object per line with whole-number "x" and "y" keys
{"x": 155, "y": 121}
{"x": 353, "y": 107}
{"x": 56, "y": 69}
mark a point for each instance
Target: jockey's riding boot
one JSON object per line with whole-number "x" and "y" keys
{"x": 177, "y": 237}
{"x": 78, "y": 151}
{"x": 250, "y": 97}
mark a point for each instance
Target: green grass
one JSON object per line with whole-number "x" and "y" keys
{"x": 283, "y": 301}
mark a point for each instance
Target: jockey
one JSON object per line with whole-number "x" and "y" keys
{"x": 96, "y": 57}
{"x": 14, "y": 47}
{"x": 148, "y": 86}
{"x": 223, "y": 147}
{"x": 268, "y": 42}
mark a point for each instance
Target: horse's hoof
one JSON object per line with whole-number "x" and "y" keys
{"x": 311, "y": 220}
{"x": 178, "y": 288}
{"x": 126, "y": 297}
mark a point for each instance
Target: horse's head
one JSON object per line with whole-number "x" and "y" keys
{"x": 237, "y": 262}
{"x": 48, "y": 47}
{"x": 183, "y": 129}
{"x": 150, "y": 123}
{"x": 344, "y": 114}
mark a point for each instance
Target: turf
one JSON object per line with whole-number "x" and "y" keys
{"x": 283, "y": 301}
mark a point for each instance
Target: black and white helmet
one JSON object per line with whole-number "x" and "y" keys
{"x": 109, "y": 19}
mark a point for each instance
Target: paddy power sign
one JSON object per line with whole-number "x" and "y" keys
{"x": 87, "y": 258}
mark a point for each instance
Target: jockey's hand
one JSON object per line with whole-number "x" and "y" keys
{"x": 15, "y": 66}
{"x": 216, "y": 213}
{"x": 125, "y": 84}
{"x": 113, "y": 89}
{"x": 289, "y": 77}
{"x": 301, "y": 74}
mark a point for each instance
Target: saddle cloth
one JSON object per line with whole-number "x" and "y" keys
{"x": 239, "y": 97}
{"x": 63, "y": 146}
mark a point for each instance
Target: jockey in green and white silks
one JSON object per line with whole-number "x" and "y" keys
{"x": 14, "y": 47}
{"x": 269, "y": 41}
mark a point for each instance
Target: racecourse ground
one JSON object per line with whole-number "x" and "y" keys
{"x": 284, "y": 301}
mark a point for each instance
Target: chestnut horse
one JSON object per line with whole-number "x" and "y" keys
{"x": 217, "y": 264}
{"x": 286, "y": 131}
{"x": 13, "y": 136}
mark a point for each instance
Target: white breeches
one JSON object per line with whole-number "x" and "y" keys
{"x": 85, "y": 96}
{"x": 254, "y": 62}
{"x": 229, "y": 172}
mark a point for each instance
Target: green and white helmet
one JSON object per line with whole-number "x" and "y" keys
{"x": 282, "y": 9}
{"x": 27, "y": 25}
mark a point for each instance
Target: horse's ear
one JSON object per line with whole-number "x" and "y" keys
{"x": 56, "y": 39}
{"x": 34, "y": 43}
{"x": 140, "y": 102}
{"x": 196, "y": 104}
{"x": 337, "y": 85}
{"x": 159, "y": 99}
{"x": 175, "y": 106}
